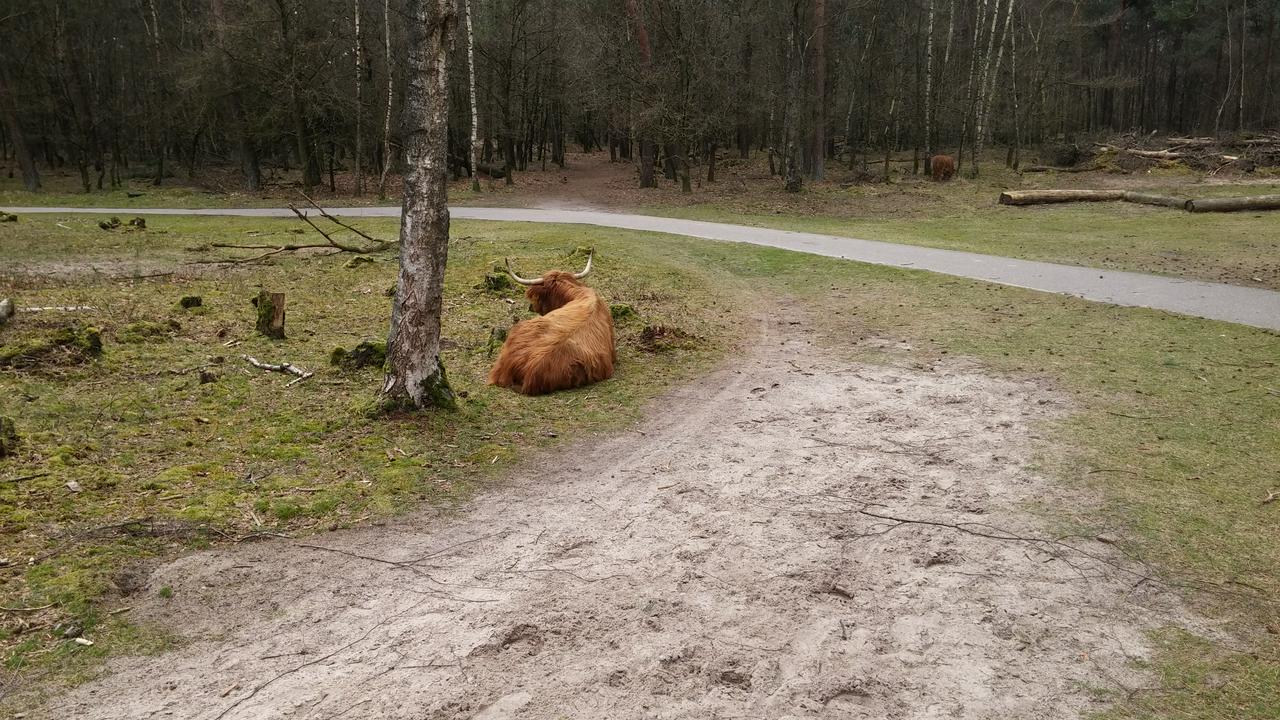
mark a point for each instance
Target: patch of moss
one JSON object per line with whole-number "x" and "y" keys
{"x": 621, "y": 311}
{"x": 66, "y": 346}
{"x": 146, "y": 331}
{"x": 367, "y": 353}
{"x": 496, "y": 280}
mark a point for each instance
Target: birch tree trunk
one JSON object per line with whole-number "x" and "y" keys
{"x": 979, "y": 21}
{"x": 415, "y": 375}
{"x": 1013, "y": 79}
{"x": 928, "y": 94}
{"x": 989, "y": 86}
{"x": 359, "y": 53}
{"x": 386, "y": 123}
{"x": 475, "y": 118}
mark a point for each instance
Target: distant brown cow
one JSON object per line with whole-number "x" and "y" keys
{"x": 570, "y": 345}
{"x": 943, "y": 167}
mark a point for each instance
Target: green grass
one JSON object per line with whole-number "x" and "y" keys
{"x": 1172, "y": 445}
{"x": 1237, "y": 248}
{"x": 165, "y": 463}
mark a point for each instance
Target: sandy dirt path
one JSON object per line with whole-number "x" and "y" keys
{"x": 732, "y": 556}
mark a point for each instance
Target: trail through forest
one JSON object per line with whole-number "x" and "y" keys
{"x": 792, "y": 536}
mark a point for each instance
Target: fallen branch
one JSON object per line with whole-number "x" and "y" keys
{"x": 281, "y": 368}
{"x": 59, "y": 308}
{"x": 1270, "y": 498}
{"x": 329, "y": 242}
{"x": 339, "y": 223}
{"x": 345, "y": 248}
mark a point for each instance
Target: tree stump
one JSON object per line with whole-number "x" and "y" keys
{"x": 270, "y": 314}
{"x": 6, "y": 311}
{"x": 8, "y": 437}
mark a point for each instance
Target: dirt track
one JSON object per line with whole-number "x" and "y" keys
{"x": 722, "y": 559}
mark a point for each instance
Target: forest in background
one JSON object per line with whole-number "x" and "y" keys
{"x": 118, "y": 89}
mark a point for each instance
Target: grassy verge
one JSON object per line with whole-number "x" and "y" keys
{"x": 1237, "y": 248}
{"x": 1174, "y": 445}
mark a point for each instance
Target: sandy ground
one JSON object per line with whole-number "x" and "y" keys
{"x": 732, "y": 556}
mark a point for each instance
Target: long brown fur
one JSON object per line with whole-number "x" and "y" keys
{"x": 943, "y": 167}
{"x": 569, "y": 345}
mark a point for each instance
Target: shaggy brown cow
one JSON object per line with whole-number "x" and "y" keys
{"x": 943, "y": 167}
{"x": 570, "y": 345}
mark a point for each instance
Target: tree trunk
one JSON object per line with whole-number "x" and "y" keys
{"x": 8, "y": 113}
{"x": 471, "y": 76}
{"x": 415, "y": 374}
{"x": 817, "y": 136}
{"x": 647, "y": 179}
{"x": 359, "y": 150}
{"x": 1044, "y": 197}
{"x": 793, "y": 181}
{"x": 928, "y": 93}
{"x": 1256, "y": 202}
{"x": 386, "y": 123}
{"x": 270, "y": 314}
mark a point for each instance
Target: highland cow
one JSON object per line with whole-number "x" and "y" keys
{"x": 942, "y": 167}
{"x": 569, "y": 345}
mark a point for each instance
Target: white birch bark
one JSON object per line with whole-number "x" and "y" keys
{"x": 386, "y": 123}
{"x": 415, "y": 376}
{"x": 475, "y": 118}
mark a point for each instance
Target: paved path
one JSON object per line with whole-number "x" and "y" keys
{"x": 1216, "y": 301}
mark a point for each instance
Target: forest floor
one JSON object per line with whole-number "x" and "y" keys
{"x": 1144, "y": 443}
{"x": 1237, "y": 248}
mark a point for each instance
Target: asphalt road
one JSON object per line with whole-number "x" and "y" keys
{"x": 1216, "y": 301}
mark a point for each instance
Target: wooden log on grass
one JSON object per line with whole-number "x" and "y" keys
{"x": 1046, "y": 197}
{"x": 1142, "y": 198}
{"x": 270, "y": 314}
{"x": 1234, "y": 204}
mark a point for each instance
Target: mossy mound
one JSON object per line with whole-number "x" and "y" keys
{"x": 622, "y": 311}
{"x": 367, "y": 353}
{"x": 497, "y": 280}
{"x": 146, "y": 331}
{"x": 66, "y": 346}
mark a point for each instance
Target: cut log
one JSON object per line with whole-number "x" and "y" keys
{"x": 1233, "y": 204}
{"x": 270, "y": 314}
{"x": 1153, "y": 199}
{"x": 1045, "y": 197}
{"x": 1055, "y": 168}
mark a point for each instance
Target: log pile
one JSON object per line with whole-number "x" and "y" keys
{"x": 1123, "y": 153}
{"x": 1196, "y": 205}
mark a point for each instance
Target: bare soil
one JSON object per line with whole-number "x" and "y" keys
{"x": 731, "y": 556}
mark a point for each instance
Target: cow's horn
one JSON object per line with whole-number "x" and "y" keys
{"x": 523, "y": 281}
{"x": 585, "y": 270}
